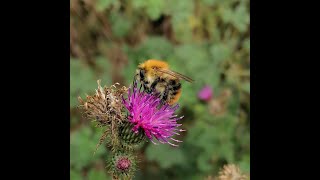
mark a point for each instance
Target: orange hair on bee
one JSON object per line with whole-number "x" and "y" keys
{"x": 153, "y": 63}
{"x": 175, "y": 98}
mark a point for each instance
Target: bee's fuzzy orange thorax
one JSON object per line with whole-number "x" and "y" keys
{"x": 152, "y": 63}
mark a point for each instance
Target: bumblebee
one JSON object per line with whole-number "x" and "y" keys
{"x": 155, "y": 76}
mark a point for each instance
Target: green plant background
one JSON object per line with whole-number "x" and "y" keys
{"x": 208, "y": 40}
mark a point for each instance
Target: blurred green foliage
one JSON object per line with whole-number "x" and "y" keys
{"x": 208, "y": 40}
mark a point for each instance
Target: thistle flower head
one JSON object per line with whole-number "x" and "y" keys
{"x": 231, "y": 172}
{"x": 105, "y": 105}
{"x": 205, "y": 93}
{"x": 147, "y": 112}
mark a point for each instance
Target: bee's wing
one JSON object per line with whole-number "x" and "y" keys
{"x": 175, "y": 74}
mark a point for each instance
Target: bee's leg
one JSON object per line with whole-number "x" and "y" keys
{"x": 165, "y": 94}
{"x": 146, "y": 89}
{"x": 162, "y": 103}
{"x": 155, "y": 82}
{"x": 134, "y": 82}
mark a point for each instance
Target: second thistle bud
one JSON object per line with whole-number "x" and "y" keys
{"x": 123, "y": 165}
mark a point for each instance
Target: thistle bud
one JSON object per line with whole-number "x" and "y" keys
{"x": 123, "y": 165}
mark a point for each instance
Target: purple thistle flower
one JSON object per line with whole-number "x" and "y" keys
{"x": 147, "y": 112}
{"x": 205, "y": 93}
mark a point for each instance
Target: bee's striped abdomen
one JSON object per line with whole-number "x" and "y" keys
{"x": 174, "y": 91}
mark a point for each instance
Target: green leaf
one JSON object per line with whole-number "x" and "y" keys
{"x": 181, "y": 11}
{"x": 153, "y": 8}
{"x": 220, "y": 52}
{"x": 204, "y": 163}
{"x": 226, "y": 151}
{"x": 200, "y": 134}
{"x": 137, "y": 4}
{"x": 246, "y": 87}
{"x": 238, "y": 17}
{"x": 154, "y": 47}
{"x": 121, "y": 25}
{"x": 74, "y": 121}
{"x": 82, "y": 81}
{"x": 165, "y": 155}
{"x": 129, "y": 71}
{"x": 102, "y": 5}
{"x": 82, "y": 145}
{"x": 104, "y": 64}
{"x": 241, "y": 18}
{"x": 75, "y": 175}
{"x": 209, "y": 2}
{"x": 244, "y": 164}
{"x": 197, "y": 64}
{"x": 98, "y": 175}
{"x": 215, "y": 140}
{"x": 217, "y": 2}
{"x": 246, "y": 44}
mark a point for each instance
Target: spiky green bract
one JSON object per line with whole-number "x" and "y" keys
{"x": 128, "y": 136}
{"x": 123, "y": 166}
